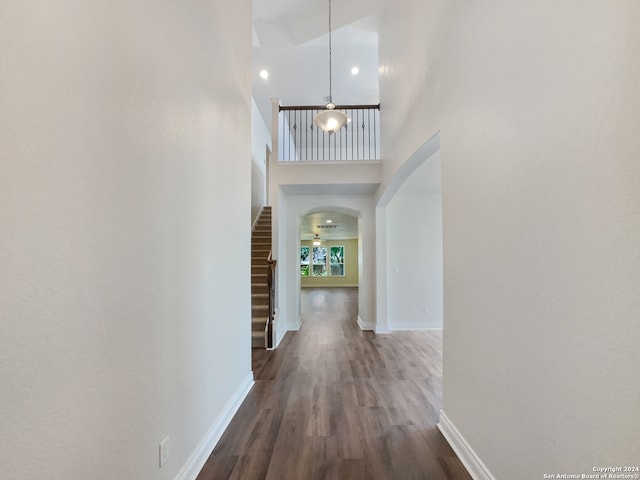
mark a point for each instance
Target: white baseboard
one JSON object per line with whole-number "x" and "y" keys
{"x": 365, "y": 326}
{"x": 198, "y": 458}
{"x": 415, "y": 326}
{"x": 295, "y": 328}
{"x": 466, "y": 454}
{"x": 382, "y": 329}
{"x": 279, "y": 339}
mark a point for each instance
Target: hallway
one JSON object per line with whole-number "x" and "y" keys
{"x": 334, "y": 402}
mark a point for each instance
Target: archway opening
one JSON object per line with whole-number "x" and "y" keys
{"x": 330, "y": 256}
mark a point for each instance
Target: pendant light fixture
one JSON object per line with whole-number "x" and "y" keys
{"x": 316, "y": 240}
{"x": 330, "y": 120}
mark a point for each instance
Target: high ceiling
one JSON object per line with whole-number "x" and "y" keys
{"x": 296, "y": 22}
{"x": 290, "y": 40}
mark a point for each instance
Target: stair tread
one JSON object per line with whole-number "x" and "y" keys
{"x": 261, "y": 246}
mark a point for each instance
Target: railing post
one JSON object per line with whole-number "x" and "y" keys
{"x": 272, "y": 300}
{"x": 275, "y": 128}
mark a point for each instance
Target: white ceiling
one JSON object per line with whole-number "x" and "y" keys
{"x": 295, "y": 22}
{"x": 331, "y": 189}
{"x": 291, "y": 43}
{"x": 342, "y": 226}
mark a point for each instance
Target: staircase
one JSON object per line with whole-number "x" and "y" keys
{"x": 260, "y": 284}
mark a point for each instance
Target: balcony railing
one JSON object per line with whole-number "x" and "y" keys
{"x": 301, "y": 141}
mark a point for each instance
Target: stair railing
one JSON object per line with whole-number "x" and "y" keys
{"x": 271, "y": 284}
{"x": 300, "y": 140}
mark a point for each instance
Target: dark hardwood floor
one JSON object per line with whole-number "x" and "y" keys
{"x": 334, "y": 402}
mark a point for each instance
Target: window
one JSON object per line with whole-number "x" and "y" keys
{"x": 319, "y": 262}
{"x": 337, "y": 261}
{"x": 323, "y": 261}
{"x": 304, "y": 261}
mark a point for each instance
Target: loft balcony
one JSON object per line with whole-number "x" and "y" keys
{"x": 299, "y": 140}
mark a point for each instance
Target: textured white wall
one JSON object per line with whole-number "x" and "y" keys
{"x": 414, "y": 261}
{"x": 260, "y": 140}
{"x": 125, "y": 144}
{"x": 538, "y": 109}
{"x": 285, "y": 282}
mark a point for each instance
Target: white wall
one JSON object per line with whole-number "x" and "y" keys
{"x": 537, "y": 108}
{"x": 287, "y": 317}
{"x": 414, "y": 261}
{"x": 260, "y": 141}
{"x": 125, "y": 144}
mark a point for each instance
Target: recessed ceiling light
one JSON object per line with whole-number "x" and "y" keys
{"x": 329, "y": 221}
{"x": 264, "y": 74}
{"x": 355, "y": 71}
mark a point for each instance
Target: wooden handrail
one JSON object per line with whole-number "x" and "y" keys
{"x": 271, "y": 285}
{"x": 284, "y": 108}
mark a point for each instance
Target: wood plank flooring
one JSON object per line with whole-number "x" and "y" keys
{"x": 336, "y": 403}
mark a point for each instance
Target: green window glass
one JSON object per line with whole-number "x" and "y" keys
{"x": 304, "y": 261}
{"x": 336, "y": 258}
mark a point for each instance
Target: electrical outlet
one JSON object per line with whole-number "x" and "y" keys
{"x": 164, "y": 452}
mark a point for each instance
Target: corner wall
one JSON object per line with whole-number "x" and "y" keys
{"x": 124, "y": 133}
{"x": 537, "y": 108}
{"x": 414, "y": 261}
{"x": 260, "y": 141}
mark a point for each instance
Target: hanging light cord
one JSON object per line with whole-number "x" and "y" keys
{"x": 330, "y": 74}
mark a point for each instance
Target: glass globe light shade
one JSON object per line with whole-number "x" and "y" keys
{"x": 330, "y": 120}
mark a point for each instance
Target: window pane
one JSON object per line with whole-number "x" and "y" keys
{"x": 337, "y": 261}
{"x": 337, "y": 270}
{"x": 304, "y": 261}
{"x": 337, "y": 254}
{"x": 319, "y": 270}
{"x": 319, "y": 256}
{"x": 304, "y": 255}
